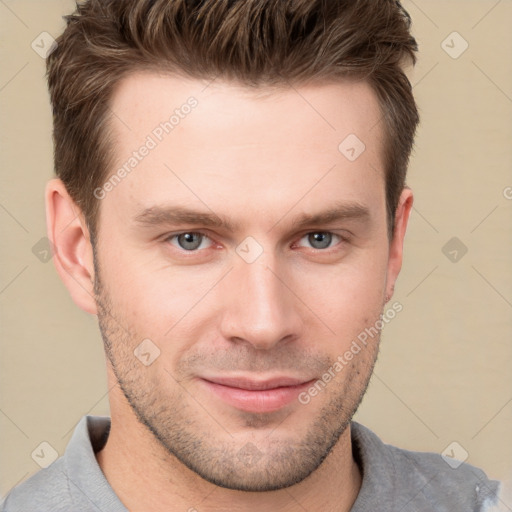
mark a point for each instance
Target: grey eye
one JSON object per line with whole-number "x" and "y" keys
{"x": 320, "y": 240}
{"x": 189, "y": 241}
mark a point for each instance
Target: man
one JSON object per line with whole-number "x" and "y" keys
{"x": 231, "y": 204}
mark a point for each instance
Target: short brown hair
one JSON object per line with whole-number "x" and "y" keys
{"x": 253, "y": 42}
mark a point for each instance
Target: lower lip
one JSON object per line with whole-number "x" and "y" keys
{"x": 267, "y": 400}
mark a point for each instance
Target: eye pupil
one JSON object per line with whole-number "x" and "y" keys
{"x": 320, "y": 240}
{"x": 189, "y": 241}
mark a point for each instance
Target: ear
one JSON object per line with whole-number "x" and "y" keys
{"x": 72, "y": 249}
{"x": 397, "y": 242}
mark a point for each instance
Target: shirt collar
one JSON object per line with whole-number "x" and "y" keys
{"x": 88, "y": 486}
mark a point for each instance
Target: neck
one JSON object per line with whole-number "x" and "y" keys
{"x": 146, "y": 477}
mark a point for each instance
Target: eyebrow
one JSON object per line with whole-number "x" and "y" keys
{"x": 175, "y": 215}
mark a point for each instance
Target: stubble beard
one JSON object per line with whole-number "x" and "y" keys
{"x": 184, "y": 429}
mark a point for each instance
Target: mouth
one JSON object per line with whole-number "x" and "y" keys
{"x": 256, "y": 395}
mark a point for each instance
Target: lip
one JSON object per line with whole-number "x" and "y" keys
{"x": 256, "y": 395}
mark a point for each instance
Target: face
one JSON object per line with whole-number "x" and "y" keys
{"x": 248, "y": 251}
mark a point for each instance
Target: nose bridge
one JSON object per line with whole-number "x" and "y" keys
{"x": 260, "y": 309}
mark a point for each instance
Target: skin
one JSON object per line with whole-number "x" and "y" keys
{"x": 261, "y": 160}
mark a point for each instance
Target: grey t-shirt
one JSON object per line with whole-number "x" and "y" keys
{"x": 393, "y": 479}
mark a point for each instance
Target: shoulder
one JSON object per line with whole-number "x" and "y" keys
{"x": 445, "y": 485}
{"x": 422, "y": 480}
{"x": 73, "y": 482}
{"x": 47, "y": 490}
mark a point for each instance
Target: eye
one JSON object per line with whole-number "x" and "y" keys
{"x": 320, "y": 239}
{"x": 190, "y": 241}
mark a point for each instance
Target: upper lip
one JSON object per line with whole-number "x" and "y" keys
{"x": 256, "y": 384}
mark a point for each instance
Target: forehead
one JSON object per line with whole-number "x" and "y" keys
{"x": 212, "y": 140}
{"x": 325, "y": 108}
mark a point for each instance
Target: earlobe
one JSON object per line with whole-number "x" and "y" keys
{"x": 396, "y": 245}
{"x": 73, "y": 256}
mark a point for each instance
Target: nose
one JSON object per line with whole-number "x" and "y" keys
{"x": 261, "y": 308}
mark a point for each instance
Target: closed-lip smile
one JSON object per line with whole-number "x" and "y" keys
{"x": 256, "y": 394}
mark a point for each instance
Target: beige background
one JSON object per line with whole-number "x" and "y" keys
{"x": 444, "y": 373}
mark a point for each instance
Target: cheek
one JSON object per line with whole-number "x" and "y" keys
{"x": 346, "y": 298}
{"x": 152, "y": 299}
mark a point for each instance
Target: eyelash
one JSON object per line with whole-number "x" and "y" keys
{"x": 168, "y": 239}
